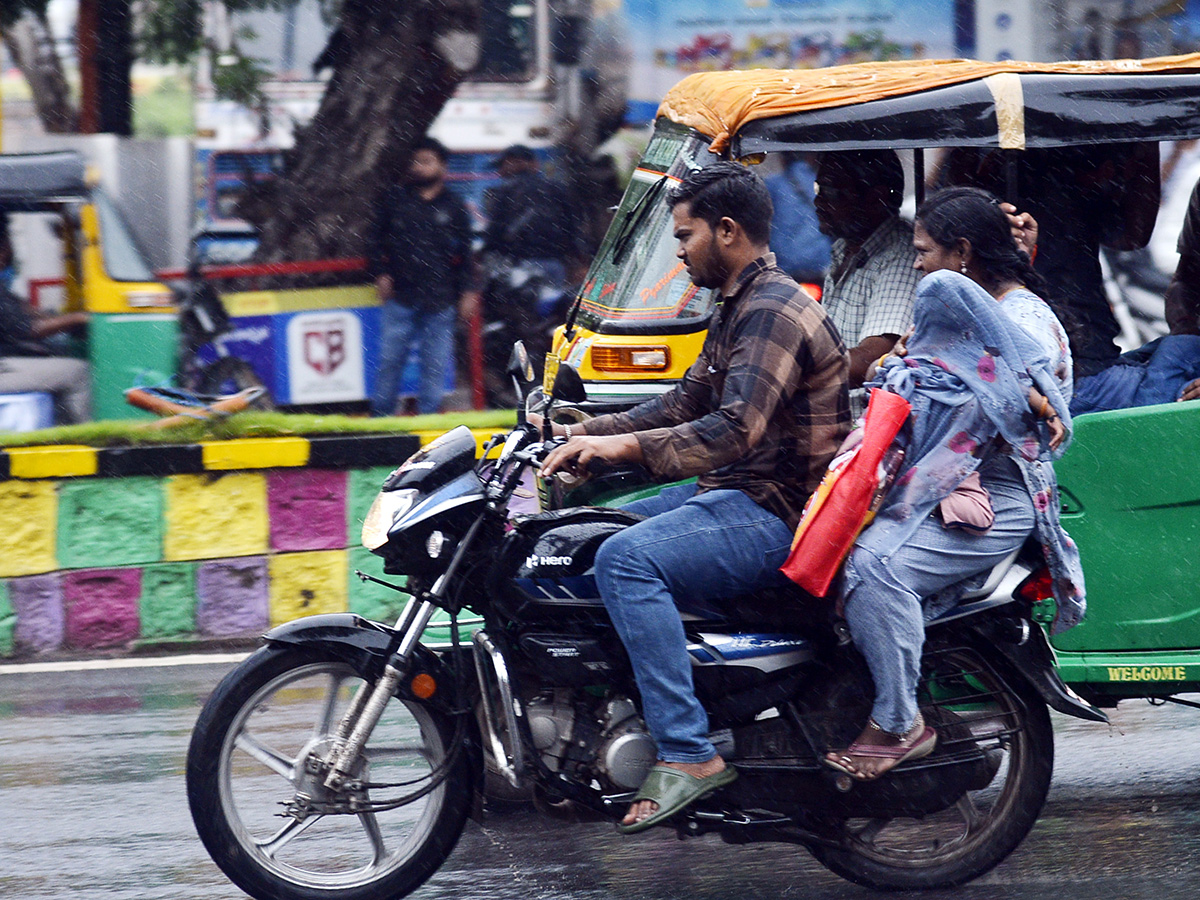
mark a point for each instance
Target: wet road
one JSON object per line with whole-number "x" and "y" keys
{"x": 92, "y": 807}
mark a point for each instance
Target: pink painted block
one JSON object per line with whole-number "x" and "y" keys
{"x": 38, "y": 603}
{"x": 307, "y": 509}
{"x": 101, "y": 607}
{"x": 232, "y": 597}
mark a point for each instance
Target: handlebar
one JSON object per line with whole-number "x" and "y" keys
{"x": 522, "y": 447}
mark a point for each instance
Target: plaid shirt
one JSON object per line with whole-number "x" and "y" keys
{"x": 763, "y": 408}
{"x": 875, "y": 292}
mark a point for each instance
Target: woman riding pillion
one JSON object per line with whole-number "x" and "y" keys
{"x": 988, "y": 372}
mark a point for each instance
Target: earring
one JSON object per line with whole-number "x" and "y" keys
{"x": 963, "y": 267}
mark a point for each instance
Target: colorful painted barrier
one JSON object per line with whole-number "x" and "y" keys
{"x": 115, "y": 549}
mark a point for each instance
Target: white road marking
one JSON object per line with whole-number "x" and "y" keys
{"x": 82, "y": 665}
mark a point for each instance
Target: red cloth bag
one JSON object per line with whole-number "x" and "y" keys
{"x": 846, "y": 499}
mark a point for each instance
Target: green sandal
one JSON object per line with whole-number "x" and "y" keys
{"x": 674, "y": 790}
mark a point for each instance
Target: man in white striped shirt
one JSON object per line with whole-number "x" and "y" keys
{"x": 871, "y": 281}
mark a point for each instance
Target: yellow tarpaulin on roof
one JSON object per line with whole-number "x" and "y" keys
{"x": 719, "y": 103}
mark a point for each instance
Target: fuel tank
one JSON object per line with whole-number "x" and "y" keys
{"x": 544, "y": 579}
{"x": 545, "y": 570}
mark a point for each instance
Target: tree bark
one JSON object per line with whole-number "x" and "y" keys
{"x": 395, "y": 63}
{"x": 31, "y": 46}
{"x": 105, "y": 42}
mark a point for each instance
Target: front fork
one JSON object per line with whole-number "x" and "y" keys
{"x": 354, "y": 730}
{"x": 355, "y": 727}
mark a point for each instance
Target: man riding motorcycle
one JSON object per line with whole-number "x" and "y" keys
{"x": 757, "y": 417}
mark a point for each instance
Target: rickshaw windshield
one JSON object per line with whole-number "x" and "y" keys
{"x": 636, "y": 283}
{"x": 123, "y": 258}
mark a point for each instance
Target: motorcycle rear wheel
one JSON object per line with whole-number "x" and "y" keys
{"x": 997, "y": 714}
{"x": 251, "y": 764}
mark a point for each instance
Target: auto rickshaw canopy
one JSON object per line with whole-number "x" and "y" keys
{"x": 32, "y": 182}
{"x": 951, "y": 102}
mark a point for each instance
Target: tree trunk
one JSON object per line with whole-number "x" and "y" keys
{"x": 31, "y": 47}
{"x": 105, "y": 41}
{"x": 395, "y": 63}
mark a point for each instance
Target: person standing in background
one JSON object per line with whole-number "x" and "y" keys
{"x": 420, "y": 258}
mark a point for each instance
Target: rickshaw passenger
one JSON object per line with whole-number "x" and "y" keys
{"x": 800, "y": 247}
{"x": 1168, "y": 368}
{"x": 27, "y": 362}
{"x": 1183, "y": 296}
{"x": 869, "y": 287}
{"x": 1083, "y": 198}
{"x": 982, "y": 340}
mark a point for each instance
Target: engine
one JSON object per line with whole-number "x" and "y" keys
{"x": 604, "y": 739}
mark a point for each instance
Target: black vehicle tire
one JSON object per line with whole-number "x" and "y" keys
{"x": 247, "y": 767}
{"x": 925, "y": 853}
{"x": 228, "y": 375}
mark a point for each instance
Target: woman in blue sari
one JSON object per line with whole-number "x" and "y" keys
{"x": 987, "y": 369}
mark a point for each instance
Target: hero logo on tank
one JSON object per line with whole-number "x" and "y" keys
{"x": 325, "y": 362}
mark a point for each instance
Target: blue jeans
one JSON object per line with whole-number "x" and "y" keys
{"x": 884, "y": 611}
{"x": 1154, "y": 373}
{"x": 696, "y": 549}
{"x": 403, "y": 327}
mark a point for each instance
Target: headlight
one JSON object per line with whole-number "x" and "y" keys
{"x": 434, "y": 544}
{"x": 387, "y": 508}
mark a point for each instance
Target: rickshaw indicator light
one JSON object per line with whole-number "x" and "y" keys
{"x": 648, "y": 359}
{"x": 149, "y": 298}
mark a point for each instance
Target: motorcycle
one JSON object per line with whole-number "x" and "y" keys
{"x": 524, "y": 300}
{"x": 342, "y": 759}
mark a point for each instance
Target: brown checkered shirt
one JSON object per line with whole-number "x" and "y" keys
{"x": 763, "y": 408}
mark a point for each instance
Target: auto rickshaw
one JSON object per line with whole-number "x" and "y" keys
{"x": 1131, "y": 496}
{"x": 132, "y": 331}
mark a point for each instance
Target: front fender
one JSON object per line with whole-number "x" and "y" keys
{"x": 366, "y": 646}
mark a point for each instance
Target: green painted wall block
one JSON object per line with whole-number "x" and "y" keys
{"x": 369, "y": 600}
{"x": 108, "y": 522}
{"x": 363, "y": 485}
{"x": 168, "y": 603}
{"x": 8, "y": 622}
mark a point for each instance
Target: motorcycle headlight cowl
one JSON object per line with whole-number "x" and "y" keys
{"x": 387, "y": 508}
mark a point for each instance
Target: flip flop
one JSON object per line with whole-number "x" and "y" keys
{"x": 674, "y": 790}
{"x": 919, "y": 748}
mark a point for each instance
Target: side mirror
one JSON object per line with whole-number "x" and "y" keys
{"x": 520, "y": 369}
{"x": 519, "y": 366}
{"x": 568, "y": 386}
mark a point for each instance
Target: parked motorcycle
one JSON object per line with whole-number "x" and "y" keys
{"x": 342, "y": 758}
{"x": 523, "y": 300}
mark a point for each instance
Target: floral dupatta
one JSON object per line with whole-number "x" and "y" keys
{"x": 967, "y": 375}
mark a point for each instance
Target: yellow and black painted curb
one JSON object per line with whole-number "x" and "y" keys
{"x": 73, "y": 461}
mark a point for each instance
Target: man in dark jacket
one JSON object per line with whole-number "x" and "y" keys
{"x": 420, "y": 256}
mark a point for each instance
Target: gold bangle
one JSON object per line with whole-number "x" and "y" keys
{"x": 1045, "y": 406}
{"x": 879, "y": 362}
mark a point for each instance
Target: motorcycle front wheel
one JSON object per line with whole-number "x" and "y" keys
{"x": 986, "y": 715}
{"x": 257, "y": 795}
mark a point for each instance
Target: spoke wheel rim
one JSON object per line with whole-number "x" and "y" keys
{"x": 344, "y": 850}
{"x": 961, "y": 827}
